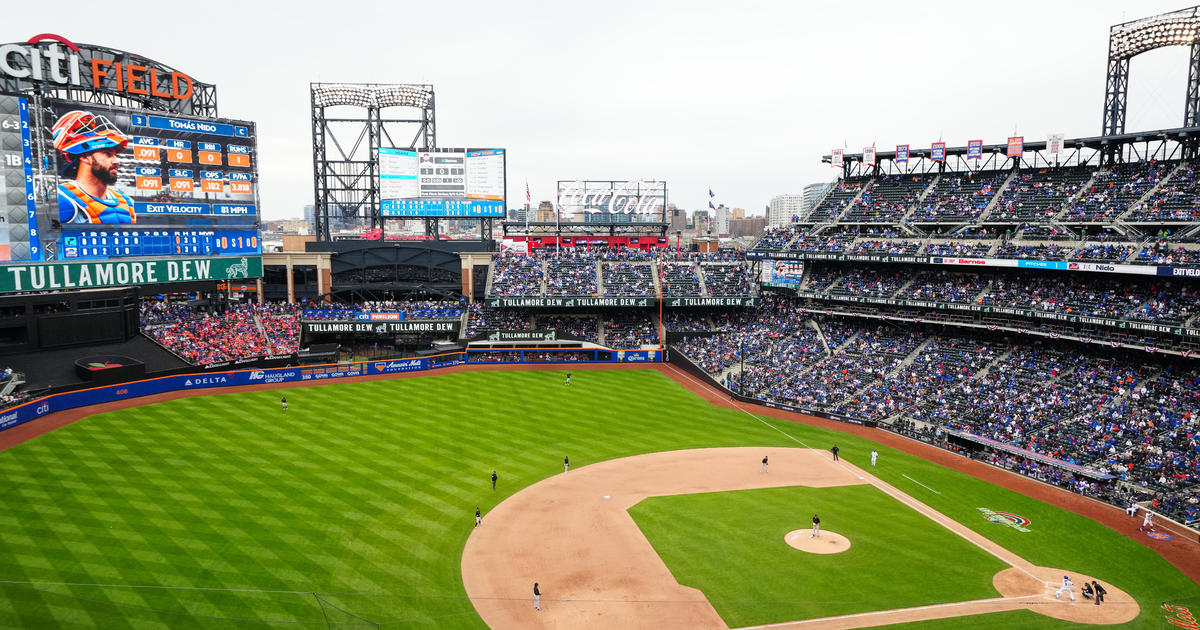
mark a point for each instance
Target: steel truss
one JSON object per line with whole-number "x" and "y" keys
{"x": 1130, "y": 39}
{"x": 350, "y": 123}
{"x": 1163, "y": 144}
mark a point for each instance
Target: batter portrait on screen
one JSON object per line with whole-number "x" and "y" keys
{"x": 89, "y": 148}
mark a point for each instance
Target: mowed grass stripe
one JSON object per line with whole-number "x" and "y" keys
{"x": 361, "y": 488}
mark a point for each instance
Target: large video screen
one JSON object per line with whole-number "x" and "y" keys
{"x": 441, "y": 183}
{"x": 782, "y": 273}
{"x": 83, "y": 182}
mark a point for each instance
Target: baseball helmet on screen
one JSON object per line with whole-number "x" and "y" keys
{"x": 78, "y": 133}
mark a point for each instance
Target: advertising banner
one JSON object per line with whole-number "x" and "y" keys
{"x": 106, "y": 273}
{"x": 409, "y": 327}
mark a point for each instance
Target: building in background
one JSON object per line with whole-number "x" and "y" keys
{"x": 721, "y": 221}
{"x": 813, "y": 193}
{"x": 545, "y": 212}
{"x": 747, "y": 226}
{"x": 677, "y": 220}
{"x": 782, "y": 208}
{"x": 700, "y": 221}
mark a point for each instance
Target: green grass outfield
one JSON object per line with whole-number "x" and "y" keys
{"x": 352, "y": 508}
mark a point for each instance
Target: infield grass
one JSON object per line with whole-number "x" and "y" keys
{"x": 897, "y": 557}
{"x": 352, "y": 508}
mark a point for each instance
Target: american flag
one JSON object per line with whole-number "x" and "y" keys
{"x": 710, "y": 194}
{"x": 528, "y": 197}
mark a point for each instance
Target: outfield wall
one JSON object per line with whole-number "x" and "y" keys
{"x": 209, "y": 377}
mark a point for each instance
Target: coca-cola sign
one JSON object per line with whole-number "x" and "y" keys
{"x": 638, "y": 197}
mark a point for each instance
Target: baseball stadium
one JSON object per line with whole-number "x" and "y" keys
{"x": 961, "y": 390}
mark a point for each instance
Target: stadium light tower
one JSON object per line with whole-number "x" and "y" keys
{"x": 1130, "y": 39}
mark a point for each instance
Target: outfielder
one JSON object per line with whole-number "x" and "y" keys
{"x": 1066, "y": 586}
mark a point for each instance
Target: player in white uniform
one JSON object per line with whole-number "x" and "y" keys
{"x": 1132, "y": 509}
{"x": 874, "y": 456}
{"x": 1067, "y": 584}
{"x": 1147, "y": 521}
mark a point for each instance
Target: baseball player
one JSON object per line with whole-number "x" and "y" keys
{"x": 1066, "y": 586}
{"x": 816, "y": 532}
{"x": 537, "y": 597}
{"x": 1147, "y": 521}
{"x": 478, "y": 517}
{"x": 835, "y": 452}
{"x": 568, "y": 379}
{"x": 1132, "y": 509}
{"x": 763, "y": 468}
{"x": 874, "y": 456}
{"x": 284, "y": 401}
{"x": 566, "y": 464}
{"x": 494, "y": 478}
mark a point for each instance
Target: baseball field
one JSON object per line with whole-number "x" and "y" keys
{"x": 355, "y": 508}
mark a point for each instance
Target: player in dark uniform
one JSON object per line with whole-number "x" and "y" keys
{"x": 835, "y": 452}
{"x": 537, "y": 597}
{"x": 494, "y": 478}
{"x": 284, "y": 401}
{"x": 816, "y": 532}
{"x": 568, "y": 379}
{"x": 478, "y": 517}
{"x": 566, "y": 464}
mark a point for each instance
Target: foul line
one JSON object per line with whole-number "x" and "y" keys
{"x": 919, "y": 483}
{"x": 889, "y": 612}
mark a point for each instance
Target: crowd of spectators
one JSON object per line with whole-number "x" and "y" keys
{"x": 482, "y": 318}
{"x": 242, "y": 331}
{"x": 1136, "y": 422}
{"x": 416, "y": 309}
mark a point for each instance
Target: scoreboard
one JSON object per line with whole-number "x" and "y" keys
{"x": 180, "y": 186}
{"x": 782, "y": 273}
{"x": 442, "y": 183}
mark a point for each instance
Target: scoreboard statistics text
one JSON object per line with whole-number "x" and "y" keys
{"x": 180, "y": 186}
{"x": 468, "y": 183}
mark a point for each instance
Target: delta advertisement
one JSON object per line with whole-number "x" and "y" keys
{"x": 210, "y": 380}
{"x": 82, "y": 398}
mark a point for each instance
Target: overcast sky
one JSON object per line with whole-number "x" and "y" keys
{"x": 743, "y": 98}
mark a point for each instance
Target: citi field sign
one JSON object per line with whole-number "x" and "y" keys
{"x": 54, "y": 59}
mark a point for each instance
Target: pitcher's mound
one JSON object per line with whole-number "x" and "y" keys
{"x": 827, "y": 542}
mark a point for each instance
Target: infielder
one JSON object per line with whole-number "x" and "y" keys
{"x": 874, "y": 456}
{"x": 763, "y": 468}
{"x": 537, "y": 597}
{"x": 1067, "y": 584}
{"x": 478, "y": 517}
{"x": 816, "y": 532}
{"x": 566, "y": 463}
